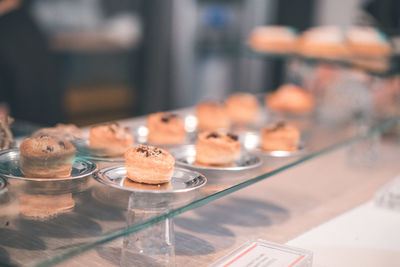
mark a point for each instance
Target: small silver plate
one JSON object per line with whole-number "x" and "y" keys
{"x": 252, "y": 142}
{"x": 185, "y": 156}
{"x": 77, "y": 182}
{"x": 82, "y": 146}
{"x": 182, "y": 180}
{"x": 9, "y": 168}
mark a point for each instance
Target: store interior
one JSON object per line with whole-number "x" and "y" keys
{"x": 302, "y": 99}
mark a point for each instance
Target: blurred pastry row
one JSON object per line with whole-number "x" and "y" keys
{"x": 329, "y": 42}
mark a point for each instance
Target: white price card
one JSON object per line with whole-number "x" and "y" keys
{"x": 261, "y": 253}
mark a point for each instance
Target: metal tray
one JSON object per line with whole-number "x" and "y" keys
{"x": 185, "y": 156}
{"x": 252, "y": 140}
{"x": 180, "y": 189}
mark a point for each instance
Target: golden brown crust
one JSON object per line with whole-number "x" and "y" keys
{"x": 149, "y": 164}
{"x": 280, "y": 137}
{"x": 46, "y": 157}
{"x": 110, "y": 139}
{"x": 43, "y": 206}
{"x": 370, "y": 50}
{"x": 242, "y": 107}
{"x": 290, "y": 98}
{"x": 165, "y": 128}
{"x": 216, "y": 148}
{"x": 212, "y": 116}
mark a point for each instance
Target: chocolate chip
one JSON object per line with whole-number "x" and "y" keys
{"x": 166, "y": 117}
{"x": 49, "y": 148}
{"x": 234, "y": 137}
{"x": 213, "y": 135}
{"x": 62, "y": 144}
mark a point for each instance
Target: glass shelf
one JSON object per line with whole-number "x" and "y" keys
{"x": 391, "y": 65}
{"x": 100, "y": 213}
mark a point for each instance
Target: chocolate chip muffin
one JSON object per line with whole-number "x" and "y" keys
{"x": 46, "y": 157}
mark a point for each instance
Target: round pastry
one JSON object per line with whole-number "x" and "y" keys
{"x": 110, "y": 140}
{"x": 149, "y": 165}
{"x": 211, "y": 116}
{"x": 290, "y": 98}
{"x": 165, "y": 128}
{"x": 324, "y": 42}
{"x": 46, "y": 157}
{"x": 213, "y": 148}
{"x": 275, "y": 39}
{"x": 242, "y": 107}
{"x": 280, "y": 137}
{"x": 44, "y": 206}
{"x": 61, "y": 131}
{"x": 367, "y": 42}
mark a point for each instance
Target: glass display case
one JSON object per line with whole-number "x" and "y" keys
{"x": 40, "y": 226}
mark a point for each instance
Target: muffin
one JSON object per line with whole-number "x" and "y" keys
{"x": 367, "y": 42}
{"x": 324, "y": 42}
{"x": 242, "y": 107}
{"x": 110, "y": 139}
{"x": 61, "y": 131}
{"x": 46, "y": 157}
{"x": 280, "y": 137}
{"x": 274, "y": 39}
{"x": 290, "y": 98}
{"x": 165, "y": 128}
{"x": 213, "y": 148}
{"x": 45, "y": 206}
{"x": 211, "y": 116}
{"x": 149, "y": 165}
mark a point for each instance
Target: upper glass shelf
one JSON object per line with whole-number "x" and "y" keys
{"x": 374, "y": 66}
{"x": 93, "y": 214}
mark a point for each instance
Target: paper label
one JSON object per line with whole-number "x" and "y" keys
{"x": 257, "y": 254}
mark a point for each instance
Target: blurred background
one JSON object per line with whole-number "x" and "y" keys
{"x": 89, "y": 61}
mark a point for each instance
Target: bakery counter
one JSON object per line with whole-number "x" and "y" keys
{"x": 43, "y": 228}
{"x": 289, "y": 208}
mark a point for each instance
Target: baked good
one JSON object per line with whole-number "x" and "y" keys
{"x": 212, "y": 115}
{"x": 280, "y": 137}
{"x": 46, "y": 157}
{"x": 216, "y": 148}
{"x": 165, "y": 128}
{"x": 110, "y": 139}
{"x": 242, "y": 107}
{"x": 149, "y": 164}
{"x": 324, "y": 42}
{"x": 61, "y": 131}
{"x": 290, "y": 98}
{"x": 6, "y": 137}
{"x": 368, "y": 42}
{"x": 274, "y": 39}
{"x": 44, "y": 206}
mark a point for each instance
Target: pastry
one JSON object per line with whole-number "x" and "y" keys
{"x": 242, "y": 107}
{"x": 290, "y": 98}
{"x": 367, "y": 42}
{"x": 211, "y": 116}
{"x": 275, "y": 39}
{"x": 61, "y": 131}
{"x": 214, "y": 148}
{"x": 149, "y": 165}
{"x": 324, "y": 42}
{"x": 6, "y": 137}
{"x": 165, "y": 128}
{"x": 280, "y": 137}
{"x": 46, "y": 157}
{"x": 110, "y": 139}
{"x": 45, "y": 206}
